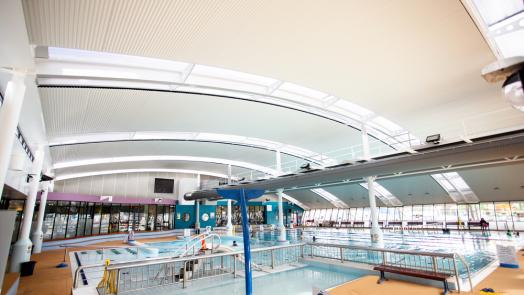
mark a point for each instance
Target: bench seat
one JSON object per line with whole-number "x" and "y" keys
{"x": 424, "y": 274}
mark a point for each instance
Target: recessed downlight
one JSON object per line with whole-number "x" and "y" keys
{"x": 496, "y": 188}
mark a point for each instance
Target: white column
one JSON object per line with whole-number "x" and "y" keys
{"x": 22, "y": 248}
{"x": 278, "y": 161}
{"x": 38, "y": 235}
{"x": 281, "y": 227}
{"x": 229, "y": 225}
{"x": 9, "y": 115}
{"x": 376, "y": 232}
{"x": 197, "y": 206}
{"x": 366, "y": 154}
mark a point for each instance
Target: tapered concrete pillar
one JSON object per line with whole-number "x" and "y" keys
{"x": 229, "y": 225}
{"x": 281, "y": 227}
{"x": 22, "y": 247}
{"x": 9, "y": 116}
{"x": 38, "y": 234}
{"x": 197, "y": 206}
{"x": 376, "y": 232}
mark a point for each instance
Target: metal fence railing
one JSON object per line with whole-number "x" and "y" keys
{"x": 449, "y": 263}
{"x": 125, "y": 277}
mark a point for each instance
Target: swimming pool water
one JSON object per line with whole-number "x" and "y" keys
{"x": 479, "y": 249}
{"x": 299, "y": 281}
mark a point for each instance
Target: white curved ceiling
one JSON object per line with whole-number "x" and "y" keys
{"x": 414, "y": 62}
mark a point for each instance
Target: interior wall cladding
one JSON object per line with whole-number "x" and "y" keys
{"x": 124, "y": 184}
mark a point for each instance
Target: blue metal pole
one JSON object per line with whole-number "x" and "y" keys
{"x": 247, "y": 245}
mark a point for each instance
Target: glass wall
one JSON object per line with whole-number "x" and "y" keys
{"x": 500, "y": 215}
{"x": 255, "y": 215}
{"x": 64, "y": 219}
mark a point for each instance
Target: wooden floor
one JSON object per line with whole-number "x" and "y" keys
{"x": 48, "y": 280}
{"x": 502, "y": 280}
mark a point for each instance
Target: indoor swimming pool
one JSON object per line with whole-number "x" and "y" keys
{"x": 478, "y": 249}
{"x": 299, "y": 281}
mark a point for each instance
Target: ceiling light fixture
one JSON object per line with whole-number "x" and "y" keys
{"x": 511, "y": 71}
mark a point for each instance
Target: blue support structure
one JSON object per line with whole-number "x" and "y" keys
{"x": 242, "y": 196}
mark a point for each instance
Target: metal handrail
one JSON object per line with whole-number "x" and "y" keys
{"x": 466, "y": 265}
{"x": 200, "y": 237}
{"x": 102, "y": 264}
{"x": 162, "y": 260}
{"x": 453, "y": 270}
{"x": 399, "y": 251}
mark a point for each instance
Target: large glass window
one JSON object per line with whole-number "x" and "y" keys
{"x": 451, "y": 215}
{"x": 439, "y": 212}
{"x": 474, "y": 212}
{"x": 115, "y": 218}
{"x": 517, "y": 209}
{"x": 61, "y": 217}
{"x": 72, "y": 221}
{"x": 89, "y": 219}
{"x": 159, "y": 223}
{"x": 151, "y": 217}
{"x": 427, "y": 212}
{"x": 487, "y": 211}
{"x": 366, "y": 215}
{"x": 49, "y": 219}
{"x": 417, "y": 213}
{"x": 503, "y": 213}
{"x": 382, "y": 213}
{"x": 123, "y": 225}
{"x": 105, "y": 218}
{"x": 463, "y": 212}
{"x": 352, "y": 214}
{"x": 359, "y": 214}
{"x": 97, "y": 218}
{"x": 82, "y": 218}
{"x": 407, "y": 213}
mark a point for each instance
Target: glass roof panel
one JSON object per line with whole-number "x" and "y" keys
{"x": 494, "y": 11}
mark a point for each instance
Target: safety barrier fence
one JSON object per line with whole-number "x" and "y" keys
{"x": 179, "y": 272}
{"x": 449, "y": 263}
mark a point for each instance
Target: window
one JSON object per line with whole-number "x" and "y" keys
{"x": 427, "y": 213}
{"x": 487, "y": 211}
{"x": 503, "y": 213}
{"x": 517, "y": 209}
{"x": 407, "y": 213}
{"x": 439, "y": 212}
{"x": 451, "y": 215}
{"x": 417, "y": 213}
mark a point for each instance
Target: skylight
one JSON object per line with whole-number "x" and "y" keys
{"x": 295, "y": 201}
{"x": 73, "y": 67}
{"x": 502, "y": 23}
{"x": 384, "y": 195}
{"x": 330, "y": 197}
{"x": 456, "y": 187}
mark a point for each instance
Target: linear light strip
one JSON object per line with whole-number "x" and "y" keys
{"x": 121, "y": 171}
{"x": 191, "y": 136}
{"x": 96, "y": 161}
